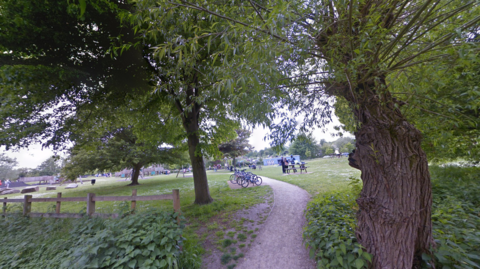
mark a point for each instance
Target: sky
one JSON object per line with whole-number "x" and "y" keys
{"x": 34, "y": 155}
{"x": 257, "y": 141}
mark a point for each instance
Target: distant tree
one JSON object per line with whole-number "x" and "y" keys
{"x": 348, "y": 147}
{"x": 49, "y": 167}
{"x": 329, "y": 150}
{"x": 308, "y": 153}
{"x": 340, "y": 142}
{"x": 23, "y": 172}
{"x": 118, "y": 149}
{"x": 302, "y": 144}
{"x": 7, "y": 165}
{"x": 238, "y": 146}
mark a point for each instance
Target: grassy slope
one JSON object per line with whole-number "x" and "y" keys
{"x": 323, "y": 175}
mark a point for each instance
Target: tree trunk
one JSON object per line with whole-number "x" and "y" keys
{"x": 190, "y": 120}
{"x": 135, "y": 174}
{"x": 394, "y": 217}
{"x": 202, "y": 193}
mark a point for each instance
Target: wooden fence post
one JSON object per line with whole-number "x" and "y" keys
{"x": 176, "y": 203}
{"x": 57, "y": 208}
{"x": 5, "y": 208}
{"x": 134, "y": 202}
{"x": 27, "y": 205}
{"x": 90, "y": 204}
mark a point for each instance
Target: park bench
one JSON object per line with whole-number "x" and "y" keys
{"x": 291, "y": 168}
{"x": 303, "y": 167}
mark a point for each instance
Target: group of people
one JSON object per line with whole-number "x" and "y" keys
{"x": 284, "y": 163}
{"x": 7, "y": 183}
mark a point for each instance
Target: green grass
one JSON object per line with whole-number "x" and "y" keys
{"x": 225, "y": 199}
{"x": 324, "y": 175}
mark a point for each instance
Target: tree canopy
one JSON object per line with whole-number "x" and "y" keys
{"x": 56, "y": 61}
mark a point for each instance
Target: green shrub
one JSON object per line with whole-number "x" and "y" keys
{"x": 226, "y": 242}
{"x": 330, "y": 233}
{"x": 241, "y": 237}
{"x": 456, "y": 216}
{"x": 150, "y": 240}
{"x": 226, "y": 258}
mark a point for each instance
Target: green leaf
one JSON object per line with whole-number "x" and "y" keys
{"x": 83, "y": 7}
{"x": 340, "y": 259}
{"x": 132, "y": 263}
{"x": 359, "y": 263}
{"x": 312, "y": 253}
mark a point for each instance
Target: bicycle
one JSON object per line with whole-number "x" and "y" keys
{"x": 236, "y": 175}
{"x": 251, "y": 178}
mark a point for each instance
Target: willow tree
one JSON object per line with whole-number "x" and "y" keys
{"x": 351, "y": 49}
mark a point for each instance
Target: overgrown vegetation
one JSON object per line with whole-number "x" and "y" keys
{"x": 456, "y": 216}
{"x": 215, "y": 217}
{"x": 150, "y": 240}
{"x": 330, "y": 233}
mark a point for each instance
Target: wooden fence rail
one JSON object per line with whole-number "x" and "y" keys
{"x": 90, "y": 200}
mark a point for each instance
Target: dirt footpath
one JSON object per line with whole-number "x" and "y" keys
{"x": 280, "y": 245}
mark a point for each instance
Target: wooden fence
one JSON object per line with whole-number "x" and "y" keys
{"x": 90, "y": 200}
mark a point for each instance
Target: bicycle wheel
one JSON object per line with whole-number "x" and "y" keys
{"x": 258, "y": 181}
{"x": 238, "y": 180}
{"x": 245, "y": 182}
{"x": 233, "y": 179}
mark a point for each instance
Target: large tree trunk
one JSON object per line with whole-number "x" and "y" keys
{"x": 394, "y": 217}
{"x": 135, "y": 174}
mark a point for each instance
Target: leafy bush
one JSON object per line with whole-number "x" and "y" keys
{"x": 330, "y": 233}
{"x": 455, "y": 219}
{"x": 137, "y": 241}
{"x": 456, "y": 216}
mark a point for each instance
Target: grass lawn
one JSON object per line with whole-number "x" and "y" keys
{"x": 323, "y": 175}
{"x": 225, "y": 198}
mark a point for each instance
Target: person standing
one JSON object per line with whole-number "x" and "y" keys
{"x": 282, "y": 163}
{"x": 7, "y": 182}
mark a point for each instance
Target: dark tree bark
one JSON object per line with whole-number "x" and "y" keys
{"x": 202, "y": 192}
{"x": 394, "y": 217}
{"x": 190, "y": 120}
{"x": 135, "y": 174}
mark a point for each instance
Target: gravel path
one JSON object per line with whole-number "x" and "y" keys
{"x": 279, "y": 245}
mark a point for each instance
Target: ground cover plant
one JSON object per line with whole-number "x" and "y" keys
{"x": 199, "y": 224}
{"x": 149, "y": 240}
